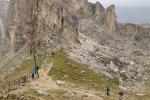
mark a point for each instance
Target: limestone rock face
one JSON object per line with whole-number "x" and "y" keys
{"x": 79, "y": 4}
{"x": 111, "y": 22}
{"x": 49, "y": 22}
{"x": 4, "y": 5}
{"x": 70, "y": 28}
{"x": 80, "y": 8}
{"x": 62, "y": 26}
{"x": 2, "y": 31}
{"x": 130, "y": 30}
{"x": 57, "y": 19}
{"x": 142, "y": 36}
{"x": 17, "y": 30}
{"x": 99, "y": 13}
{"x": 135, "y": 32}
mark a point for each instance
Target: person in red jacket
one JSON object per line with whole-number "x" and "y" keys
{"x": 120, "y": 93}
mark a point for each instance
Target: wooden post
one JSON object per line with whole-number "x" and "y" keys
{"x": 8, "y": 86}
{"x": 3, "y": 87}
{"x": 34, "y": 56}
{"x": 14, "y": 83}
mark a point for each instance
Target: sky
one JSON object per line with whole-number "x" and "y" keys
{"x": 125, "y": 3}
{"x": 134, "y": 11}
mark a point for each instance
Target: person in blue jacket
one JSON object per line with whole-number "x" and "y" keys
{"x": 33, "y": 73}
{"x": 107, "y": 90}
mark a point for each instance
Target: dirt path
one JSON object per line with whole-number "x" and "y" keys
{"x": 44, "y": 82}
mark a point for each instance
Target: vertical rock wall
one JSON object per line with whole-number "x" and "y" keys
{"x": 111, "y": 22}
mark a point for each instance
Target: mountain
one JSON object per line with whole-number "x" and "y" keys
{"x": 87, "y": 32}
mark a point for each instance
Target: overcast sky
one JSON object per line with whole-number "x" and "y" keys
{"x": 125, "y": 3}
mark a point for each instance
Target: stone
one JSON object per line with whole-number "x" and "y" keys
{"x": 123, "y": 71}
{"x": 83, "y": 72}
{"x": 65, "y": 77}
{"x": 60, "y": 83}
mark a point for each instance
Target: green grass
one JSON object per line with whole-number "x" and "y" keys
{"x": 58, "y": 92}
{"x": 77, "y": 73}
{"x": 31, "y": 92}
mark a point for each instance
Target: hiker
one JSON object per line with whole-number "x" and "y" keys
{"x": 52, "y": 54}
{"x": 33, "y": 73}
{"x": 37, "y": 70}
{"x": 107, "y": 90}
{"x": 121, "y": 93}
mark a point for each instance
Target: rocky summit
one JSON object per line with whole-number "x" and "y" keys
{"x": 87, "y": 32}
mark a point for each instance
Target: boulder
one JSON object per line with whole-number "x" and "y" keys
{"x": 60, "y": 83}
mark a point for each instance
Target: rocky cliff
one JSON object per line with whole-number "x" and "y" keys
{"x": 4, "y": 5}
{"x": 64, "y": 22}
{"x": 88, "y": 32}
{"x": 135, "y": 32}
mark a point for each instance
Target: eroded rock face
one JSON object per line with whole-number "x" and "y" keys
{"x": 129, "y": 30}
{"x": 70, "y": 28}
{"x": 18, "y": 28}
{"x": 99, "y": 13}
{"x": 4, "y": 5}
{"x": 3, "y": 20}
{"x": 135, "y": 32}
{"x": 55, "y": 19}
{"x": 111, "y": 22}
{"x": 2, "y": 31}
{"x": 80, "y": 8}
{"x": 79, "y": 4}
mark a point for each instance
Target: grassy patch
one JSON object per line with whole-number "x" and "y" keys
{"x": 58, "y": 92}
{"x": 31, "y": 92}
{"x": 71, "y": 71}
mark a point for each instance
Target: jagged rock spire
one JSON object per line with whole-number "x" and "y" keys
{"x": 111, "y": 18}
